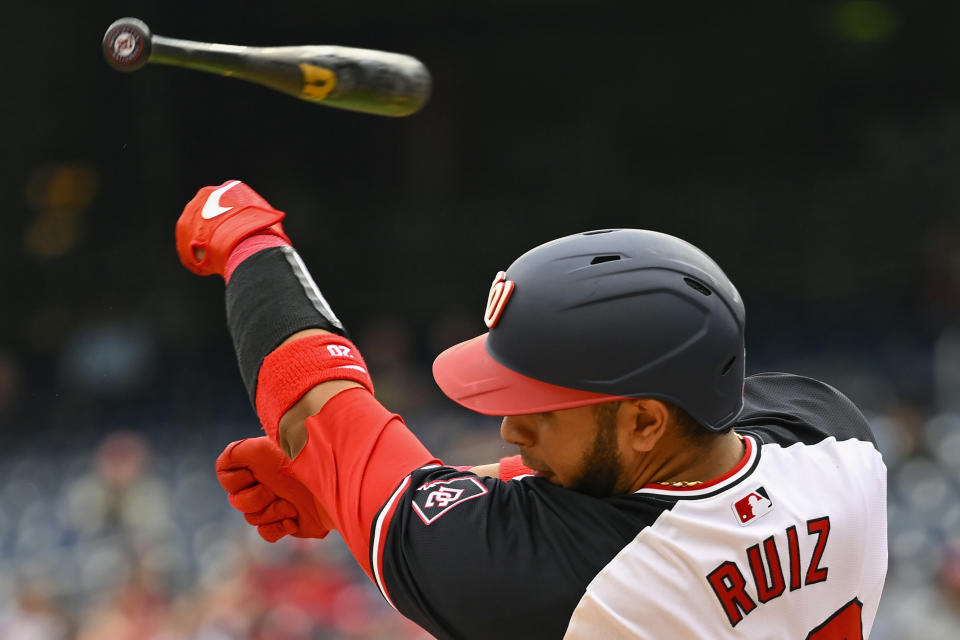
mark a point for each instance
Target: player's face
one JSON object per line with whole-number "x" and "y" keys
{"x": 575, "y": 448}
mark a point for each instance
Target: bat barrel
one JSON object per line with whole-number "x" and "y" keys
{"x": 377, "y": 82}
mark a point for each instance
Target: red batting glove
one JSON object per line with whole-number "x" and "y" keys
{"x": 254, "y": 473}
{"x": 217, "y": 220}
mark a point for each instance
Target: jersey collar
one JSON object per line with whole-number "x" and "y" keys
{"x": 712, "y": 487}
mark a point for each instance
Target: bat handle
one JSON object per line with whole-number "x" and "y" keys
{"x": 127, "y": 44}
{"x": 222, "y": 59}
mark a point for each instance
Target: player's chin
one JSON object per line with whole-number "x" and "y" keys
{"x": 538, "y": 468}
{"x": 546, "y": 475}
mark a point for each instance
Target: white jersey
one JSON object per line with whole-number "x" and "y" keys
{"x": 791, "y": 543}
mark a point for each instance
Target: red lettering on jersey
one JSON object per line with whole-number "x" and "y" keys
{"x": 845, "y": 624}
{"x": 730, "y": 586}
{"x": 766, "y": 591}
{"x": 793, "y": 544}
{"x": 820, "y": 526}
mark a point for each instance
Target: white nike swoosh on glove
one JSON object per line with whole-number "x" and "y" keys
{"x": 212, "y": 208}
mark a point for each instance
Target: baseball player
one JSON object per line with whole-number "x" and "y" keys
{"x": 657, "y": 492}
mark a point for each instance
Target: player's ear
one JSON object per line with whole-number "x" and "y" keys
{"x": 646, "y": 420}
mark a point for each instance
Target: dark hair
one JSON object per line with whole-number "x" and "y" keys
{"x": 691, "y": 430}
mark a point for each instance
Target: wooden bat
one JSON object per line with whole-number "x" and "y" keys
{"x": 366, "y": 80}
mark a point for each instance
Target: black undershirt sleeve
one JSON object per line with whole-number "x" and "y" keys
{"x": 469, "y": 557}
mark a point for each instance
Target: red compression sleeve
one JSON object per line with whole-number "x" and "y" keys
{"x": 356, "y": 455}
{"x": 512, "y": 467}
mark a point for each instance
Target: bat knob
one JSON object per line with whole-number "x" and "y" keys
{"x": 126, "y": 44}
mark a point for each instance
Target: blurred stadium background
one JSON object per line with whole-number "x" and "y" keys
{"x": 811, "y": 148}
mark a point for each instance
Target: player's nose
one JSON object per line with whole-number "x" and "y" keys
{"x": 514, "y": 430}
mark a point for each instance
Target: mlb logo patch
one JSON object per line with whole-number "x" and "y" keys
{"x": 436, "y": 498}
{"x": 754, "y": 505}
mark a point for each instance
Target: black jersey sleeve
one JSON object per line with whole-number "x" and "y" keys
{"x": 787, "y": 409}
{"x": 470, "y": 557}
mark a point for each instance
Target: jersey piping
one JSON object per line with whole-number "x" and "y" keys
{"x": 742, "y": 470}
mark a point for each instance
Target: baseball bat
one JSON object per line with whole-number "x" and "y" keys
{"x": 365, "y": 80}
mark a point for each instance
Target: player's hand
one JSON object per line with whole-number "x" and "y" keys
{"x": 254, "y": 473}
{"x": 217, "y": 220}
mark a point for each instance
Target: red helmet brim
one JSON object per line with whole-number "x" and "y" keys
{"x": 469, "y": 376}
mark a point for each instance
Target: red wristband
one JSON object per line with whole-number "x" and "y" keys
{"x": 512, "y": 467}
{"x": 292, "y": 369}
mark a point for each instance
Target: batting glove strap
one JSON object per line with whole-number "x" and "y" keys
{"x": 291, "y": 370}
{"x": 270, "y": 297}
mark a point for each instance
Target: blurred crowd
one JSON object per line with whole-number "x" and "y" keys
{"x": 133, "y": 542}
{"x": 124, "y": 533}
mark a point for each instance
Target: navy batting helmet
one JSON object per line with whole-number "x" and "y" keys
{"x": 601, "y": 315}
